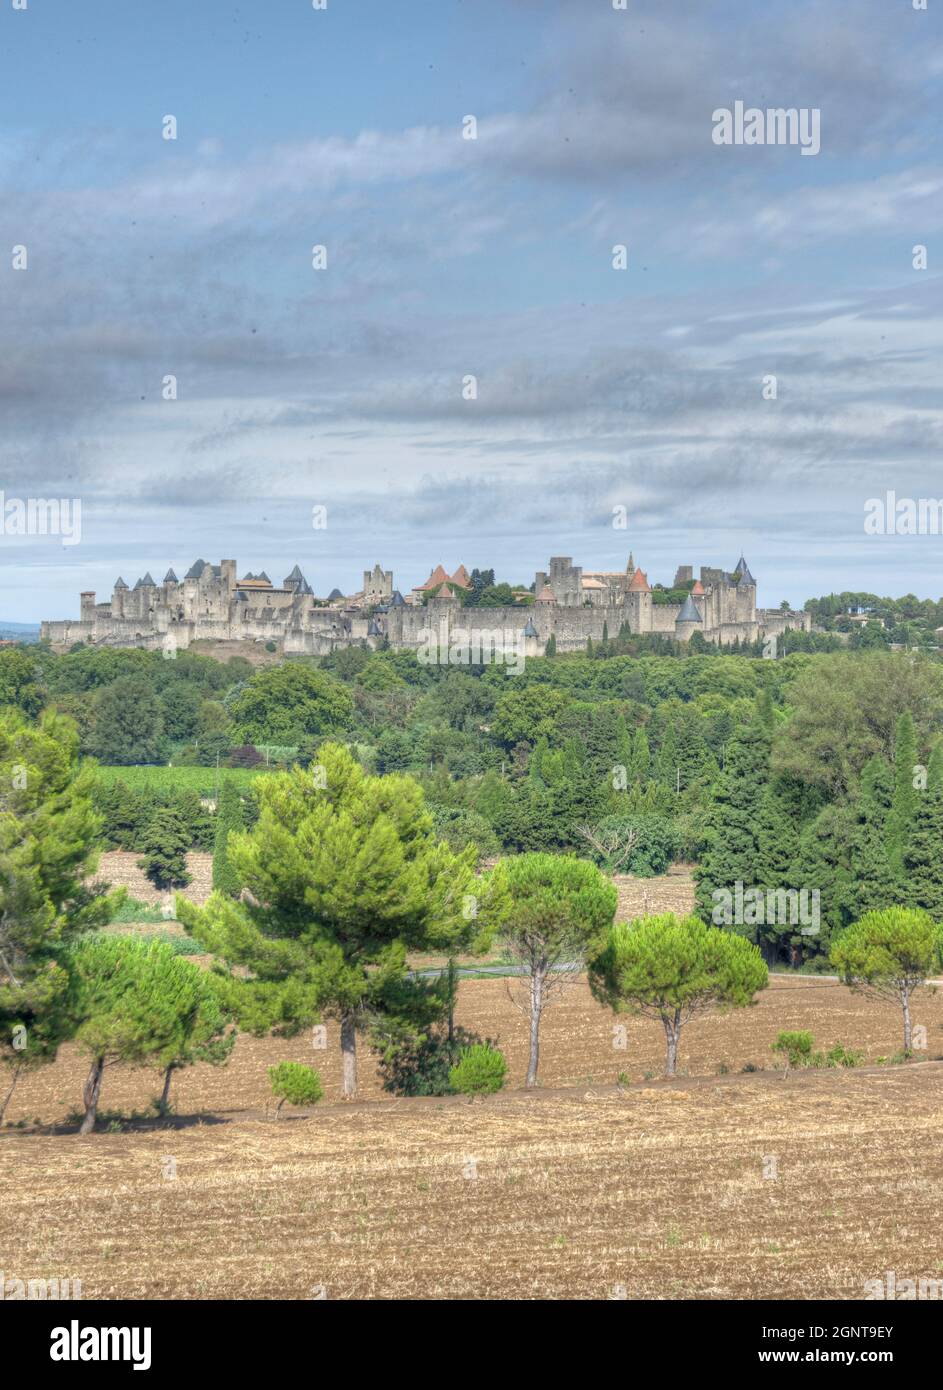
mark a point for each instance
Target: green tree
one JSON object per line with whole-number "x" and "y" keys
{"x": 523, "y": 716}
{"x": 209, "y": 1037}
{"x": 875, "y": 883}
{"x": 134, "y": 1001}
{"x": 286, "y": 703}
{"x": 344, "y": 875}
{"x": 845, "y": 708}
{"x": 559, "y": 907}
{"x": 128, "y": 723}
{"x": 181, "y": 704}
{"x": 229, "y": 818}
{"x": 20, "y": 681}
{"x": 823, "y": 862}
{"x": 296, "y": 1083}
{"x": 479, "y": 1071}
{"x": 904, "y": 801}
{"x": 165, "y": 843}
{"x": 890, "y": 954}
{"x": 923, "y": 857}
{"x": 674, "y": 969}
{"x": 48, "y": 897}
{"x": 733, "y": 852}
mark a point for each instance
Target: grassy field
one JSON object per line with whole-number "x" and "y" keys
{"x": 204, "y": 780}
{"x": 654, "y": 1192}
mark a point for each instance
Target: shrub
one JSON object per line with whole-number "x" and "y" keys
{"x": 841, "y": 1056}
{"x": 421, "y": 1066}
{"x": 480, "y": 1070}
{"x": 296, "y": 1083}
{"x": 795, "y": 1048}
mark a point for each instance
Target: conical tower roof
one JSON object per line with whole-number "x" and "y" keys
{"x": 689, "y": 612}
{"x": 744, "y": 570}
{"x": 639, "y": 583}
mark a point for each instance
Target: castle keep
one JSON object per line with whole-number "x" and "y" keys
{"x": 567, "y": 602}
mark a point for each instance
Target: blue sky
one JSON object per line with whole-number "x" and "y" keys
{"x": 447, "y": 257}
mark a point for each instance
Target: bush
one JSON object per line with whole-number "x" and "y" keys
{"x": 459, "y": 827}
{"x": 795, "y": 1048}
{"x": 422, "y": 1066}
{"x": 843, "y": 1057}
{"x": 296, "y": 1083}
{"x": 480, "y": 1070}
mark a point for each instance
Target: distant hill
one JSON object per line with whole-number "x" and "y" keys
{"x": 19, "y": 632}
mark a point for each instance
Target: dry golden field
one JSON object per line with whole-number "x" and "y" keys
{"x": 726, "y": 1183}
{"x": 656, "y": 1192}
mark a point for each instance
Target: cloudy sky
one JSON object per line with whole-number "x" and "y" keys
{"x": 450, "y": 258}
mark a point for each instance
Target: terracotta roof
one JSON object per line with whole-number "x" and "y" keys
{"x": 546, "y": 595}
{"x": 698, "y": 588}
{"x": 639, "y": 584}
{"x": 462, "y": 577}
{"x": 444, "y": 592}
{"x": 593, "y": 584}
{"x": 437, "y": 577}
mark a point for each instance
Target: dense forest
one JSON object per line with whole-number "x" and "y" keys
{"x": 817, "y": 771}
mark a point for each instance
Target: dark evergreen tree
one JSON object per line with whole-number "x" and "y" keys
{"x": 229, "y": 817}
{"x": 733, "y": 852}
{"x": 923, "y": 857}
{"x": 875, "y": 883}
{"x": 904, "y": 802}
{"x": 165, "y": 849}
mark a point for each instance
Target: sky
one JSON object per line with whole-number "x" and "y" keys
{"x": 341, "y": 395}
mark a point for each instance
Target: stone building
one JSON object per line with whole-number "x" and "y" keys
{"x": 570, "y": 603}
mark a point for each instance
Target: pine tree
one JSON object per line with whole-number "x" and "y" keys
{"x": 765, "y": 713}
{"x": 229, "y": 818}
{"x": 135, "y": 1001}
{"x": 667, "y": 761}
{"x": 641, "y": 764}
{"x": 875, "y": 883}
{"x": 48, "y": 898}
{"x": 923, "y": 857}
{"x": 345, "y": 875}
{"x": 904, "y": 803}
{"x": 733, "y": 853}
{"x": 823, "y": 862}
{"x": 166, "y": 842}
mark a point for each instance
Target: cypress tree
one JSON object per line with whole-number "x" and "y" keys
{"x": 551, "y": 647}
{"x": 876, "y": 885}
{"x": 165, "y": 849}
{"x": 824, "y": 862}
{"x": 733, "y": 852}
{"x": 904, "y": 802}
{"x": 923, "y": 857}
{"x": 229, "y": 817}
{"x": 641, "y": 756}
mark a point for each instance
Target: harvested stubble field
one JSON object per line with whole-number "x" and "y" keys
{"x": 583, "y": 1190}
{"x": 654, "y": 1192}
{"x": 577, "y": 1047}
